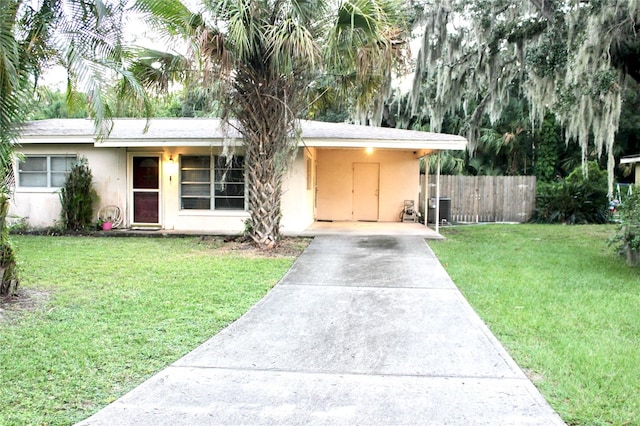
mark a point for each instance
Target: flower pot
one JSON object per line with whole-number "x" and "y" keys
{"x": 106, "y": 226}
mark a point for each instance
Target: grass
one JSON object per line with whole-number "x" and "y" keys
{"x": 106, "y": 313}
{"x": 565, "y": 307}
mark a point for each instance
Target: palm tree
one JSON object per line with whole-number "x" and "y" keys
{"x": 84, "y": 36}
{"x": 263, "y": 56}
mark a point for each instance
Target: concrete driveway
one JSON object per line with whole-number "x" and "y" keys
{"x": 361, "y": 330}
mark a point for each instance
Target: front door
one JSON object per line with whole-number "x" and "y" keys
{"x": 366, "y": 179}
{"x": 146, "y": 190}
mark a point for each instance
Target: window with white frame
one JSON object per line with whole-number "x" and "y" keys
{"x": 44, "y": 171}
{"x": 212, "y": 182}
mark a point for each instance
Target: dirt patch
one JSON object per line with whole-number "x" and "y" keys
{"x": 27, "y": 300}
{"x": 239, "y": 246}
{"x": 533, "y": 376}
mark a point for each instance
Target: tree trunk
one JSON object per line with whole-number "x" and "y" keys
{"x": 633, "y": 256}
{"x": 264, "y": 181}
{"x": 8, "y": 277}
{"x": 266, "y": 111}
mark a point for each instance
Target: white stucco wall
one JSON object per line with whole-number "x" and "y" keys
{"x": 325, "y": 172}
{"x": 297, "y": 198}
{"x": 298, "y": 193}
{"x": 40, "y": 207}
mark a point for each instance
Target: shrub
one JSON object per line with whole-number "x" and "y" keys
{"x": 78, "y": 196}
{"x": 627, "y": 236}
{"x": 576, "y": 199}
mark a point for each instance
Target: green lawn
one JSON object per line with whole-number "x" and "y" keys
{"x": 565, "y": 307}
{"x": 106, "y": 313}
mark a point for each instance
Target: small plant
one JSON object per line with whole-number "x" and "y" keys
{"x": 78, "y": 197}
{"x": 248, "y": 227}
{"x": 104, "y": 223}
{"x": 18, "y": 225}
{"x": 627, "y": 236}
{"x": 99, "y": 223}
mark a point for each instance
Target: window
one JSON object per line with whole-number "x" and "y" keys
{"x": 211, "y": 182}
{"x": 44, "y": 171}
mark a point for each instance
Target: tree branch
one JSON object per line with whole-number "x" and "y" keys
{"x": 544, "y": 9}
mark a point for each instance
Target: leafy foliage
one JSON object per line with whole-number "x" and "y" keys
{"x": 627, "y": 236}
{"x": 85, "y": 37}
{"x": 78, "y": 197}
{"x": 547, "y": 155}
{"x": 510, "y": 146}
{"x": 54, "y": 104}
{"x": 580, "y": 198}
{"x": 569, "y": 57}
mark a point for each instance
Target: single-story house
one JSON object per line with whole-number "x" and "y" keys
{"x": 175, "y": 176}
{"x": 633, "y": 159}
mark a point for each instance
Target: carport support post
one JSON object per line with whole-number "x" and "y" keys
{"x": 437, "y": 217}
{"x": 425, "y": 194}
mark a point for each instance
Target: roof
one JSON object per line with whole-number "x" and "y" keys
{"x": 208, "y": 131}
{"x": 630, "y": 159}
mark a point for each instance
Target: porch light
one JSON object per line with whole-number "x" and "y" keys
{"x": 171, "y": 167}
{"x": 369, "y": 150}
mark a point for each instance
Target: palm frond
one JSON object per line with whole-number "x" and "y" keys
{"x": 168, "y": 16}
{"x": 291, "y": 44}
{"x": 245, "y": 29}
{"x": 155, "y": 70}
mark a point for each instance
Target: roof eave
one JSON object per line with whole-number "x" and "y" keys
{"x": 159, "y": 143}
{"x": 440, "y": 145}
{"x": 57, "y": 140}
{"x": 630, "y": 160}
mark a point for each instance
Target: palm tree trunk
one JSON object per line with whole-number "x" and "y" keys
{"x": 264, "y": 179}
{"x": 8, "y": 277}
{"x": 266, "y": 117}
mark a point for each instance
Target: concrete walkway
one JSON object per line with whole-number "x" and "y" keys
{"x": 361, "y": 330}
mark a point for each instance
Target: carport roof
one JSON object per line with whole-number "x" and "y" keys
{"x": 208, "y": 132}
{"x": 631, "y": 159}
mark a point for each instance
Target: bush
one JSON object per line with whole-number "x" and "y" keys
{"x": 576, "y": 199}
{"x": 627, "y": 237}
{"x": 77, "y": 197}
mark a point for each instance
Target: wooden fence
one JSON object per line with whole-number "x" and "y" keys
{"x": 486, "y": 198}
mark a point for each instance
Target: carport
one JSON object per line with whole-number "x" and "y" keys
{"x": 365, "y": 174}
